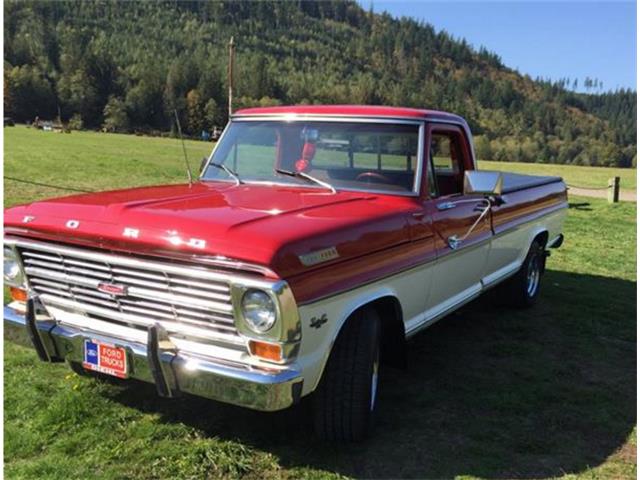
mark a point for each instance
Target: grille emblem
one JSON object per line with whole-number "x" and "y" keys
{"x": 113, "y": 289}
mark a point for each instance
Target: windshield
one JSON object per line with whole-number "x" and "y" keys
{"x": 346, "y": 155}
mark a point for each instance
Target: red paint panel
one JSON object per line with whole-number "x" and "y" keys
{"x": 261, "y": 224}
{"x": 330, "y": 280}
{"x": 524, "y": 205}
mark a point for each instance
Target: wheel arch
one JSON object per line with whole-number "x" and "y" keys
{"x": 543, "y": 236}
{"x": 386, "y": 303}
{"x": 539, "y": 232}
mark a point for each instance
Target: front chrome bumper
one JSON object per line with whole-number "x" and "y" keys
{"x": 217, "y": 379}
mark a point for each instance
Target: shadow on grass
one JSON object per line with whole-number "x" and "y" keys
{"x": 581, "y": 206}
{"x": 489, "y": 391}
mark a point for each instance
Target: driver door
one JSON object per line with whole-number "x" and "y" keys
{"x": 462, "y": 242}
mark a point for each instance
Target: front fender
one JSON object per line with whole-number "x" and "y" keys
{"x": 318, "y": 337}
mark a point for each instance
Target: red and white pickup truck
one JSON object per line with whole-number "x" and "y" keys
{"x": 315, "y": 242}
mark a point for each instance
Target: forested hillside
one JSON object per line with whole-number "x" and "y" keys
{"x": 125, "y": 66}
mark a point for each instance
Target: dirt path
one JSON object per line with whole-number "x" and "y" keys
{"x": 625, "y": 195}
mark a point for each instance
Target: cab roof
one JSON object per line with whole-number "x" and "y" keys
{"x": 352, "y": 110}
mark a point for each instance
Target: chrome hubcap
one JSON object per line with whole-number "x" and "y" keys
{"x": 374, "y": 381}
{"x": 533, "y": 275}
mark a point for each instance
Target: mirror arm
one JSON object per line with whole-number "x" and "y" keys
{"x": 454, "y": 241}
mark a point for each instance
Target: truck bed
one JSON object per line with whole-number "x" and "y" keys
{"x": 514, "y": 182}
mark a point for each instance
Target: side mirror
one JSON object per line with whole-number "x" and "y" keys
{"x": 486, "y": 183}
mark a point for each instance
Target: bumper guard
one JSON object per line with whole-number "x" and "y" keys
{"x": 159, "y": 362}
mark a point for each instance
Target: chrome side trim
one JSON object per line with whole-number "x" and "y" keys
{"x": 433, "y": 314}
{"x": 446, "y": 206}
{"x": 501, "y": 274}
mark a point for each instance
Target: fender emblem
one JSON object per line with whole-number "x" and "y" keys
{"x": 319, "y": 256}
{"x": 318, "y": 322}
{"x": 113, "y": 289}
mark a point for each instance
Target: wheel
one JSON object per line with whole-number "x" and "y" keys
{"x": 524, "y": 287}
{"x": 344, "y": 403}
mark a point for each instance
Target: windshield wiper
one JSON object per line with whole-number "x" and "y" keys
{"x": 307, "y": 177}
{"x": 229, "y": 172}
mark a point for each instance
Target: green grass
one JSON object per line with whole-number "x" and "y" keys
{"x": 91, "y": 161}
{"x": 489, "y": 393}
{"x": 573, "y": 174}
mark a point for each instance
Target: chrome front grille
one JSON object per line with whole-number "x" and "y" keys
{"x": 190, "y": 302}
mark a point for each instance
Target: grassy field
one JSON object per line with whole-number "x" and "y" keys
{"x": 489, "y": 392}
{"x": 91, "y": 161}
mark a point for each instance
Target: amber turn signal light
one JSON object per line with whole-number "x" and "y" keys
{"x": 268, "y": 351}
{"x": 18, "y": 294}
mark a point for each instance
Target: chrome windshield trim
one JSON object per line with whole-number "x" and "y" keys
{"x": 297, "y": 117}
{"x": 417, "y": 179}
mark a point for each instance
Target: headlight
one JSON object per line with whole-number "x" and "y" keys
{"x": 12, "y": 270}
{"x": 258, "y": 310}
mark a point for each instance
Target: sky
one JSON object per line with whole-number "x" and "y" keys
{"x": 551, "y": 39}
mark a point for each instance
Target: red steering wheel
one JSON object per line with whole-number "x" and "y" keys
{"x": 373, "y": 175}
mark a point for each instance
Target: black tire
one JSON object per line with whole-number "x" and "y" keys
{"x": 523, "y": 288}
{"x": 344, "y": 403}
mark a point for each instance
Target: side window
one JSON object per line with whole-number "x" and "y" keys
{"x": 447, "y": 162}
{"x": 442, "y": 154}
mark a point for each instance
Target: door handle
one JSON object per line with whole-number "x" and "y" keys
{"x": 454, "y": 242}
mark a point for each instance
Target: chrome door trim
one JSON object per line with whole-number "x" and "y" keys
{"x": 445, "y": 206}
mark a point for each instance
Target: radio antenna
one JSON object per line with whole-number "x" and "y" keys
{"x": 184, "y": 149}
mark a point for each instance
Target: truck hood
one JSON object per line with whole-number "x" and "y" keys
{"x": 285, "y": 229}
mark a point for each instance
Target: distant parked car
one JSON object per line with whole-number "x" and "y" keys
{"x": 8, "y": 122}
